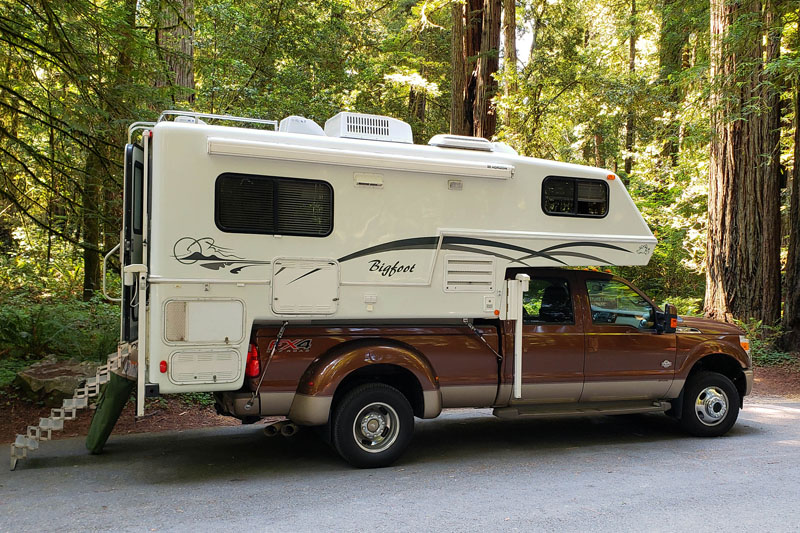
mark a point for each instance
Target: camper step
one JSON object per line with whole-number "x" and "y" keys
{"x": 69, "y": 407}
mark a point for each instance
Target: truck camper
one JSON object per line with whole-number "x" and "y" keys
{"x": 347, "y": 278}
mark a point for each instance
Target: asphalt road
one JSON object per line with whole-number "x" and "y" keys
{"x": 465, "y": 471}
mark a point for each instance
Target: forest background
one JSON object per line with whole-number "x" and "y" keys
{"x": 693, "y": 103}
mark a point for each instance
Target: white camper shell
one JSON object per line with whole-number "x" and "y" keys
{"x": 226, "y": 226}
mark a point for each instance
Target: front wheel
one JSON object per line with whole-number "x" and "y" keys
{"x": 710, "y": 405}
{"x": 372, "y": 425}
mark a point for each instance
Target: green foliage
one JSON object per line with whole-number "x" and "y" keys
{"x": 764, "y": 343}
{"x": 199, "y": 399}
{"x": 74, "y": 74}
{"x": 9, "y": 366}
{"x": 64, "y": 327}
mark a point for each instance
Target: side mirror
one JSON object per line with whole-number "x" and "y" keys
{"x": 670, "y": 318}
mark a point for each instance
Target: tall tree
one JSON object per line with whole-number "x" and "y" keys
{"x": 791, "y": 307}
{"x": 458, "y": 65}
{"x": 478, "y": 58}
{"x": 174, "y": 39}
{"x": 630, "y": 121}
{"x": 770, "y": 163}
{"x": 510, "y": 49}
{"x": 741, "y": 283}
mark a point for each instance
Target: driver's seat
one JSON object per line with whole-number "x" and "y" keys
{"x": 556, "y": 305}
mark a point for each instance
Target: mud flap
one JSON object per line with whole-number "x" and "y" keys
{"x": 109, "y": 407}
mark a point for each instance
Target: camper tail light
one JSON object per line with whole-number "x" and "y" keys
{"x": 253, "y": 367}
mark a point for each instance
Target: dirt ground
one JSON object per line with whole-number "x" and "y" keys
{"x": 173, "y": 413}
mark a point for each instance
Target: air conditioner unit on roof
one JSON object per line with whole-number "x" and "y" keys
{"x": 368, "y": 127}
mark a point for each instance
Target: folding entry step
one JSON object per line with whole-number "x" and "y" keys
{"x": 69, "y": 408}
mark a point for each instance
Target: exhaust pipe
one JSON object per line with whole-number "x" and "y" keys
{"x": 288, "y": 429}
{"x": 273, "y": 430}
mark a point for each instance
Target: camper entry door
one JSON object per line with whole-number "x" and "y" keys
{"x": 132, "y": 227}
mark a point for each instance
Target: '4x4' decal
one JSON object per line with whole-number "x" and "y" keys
{"x": 292, "y": 345}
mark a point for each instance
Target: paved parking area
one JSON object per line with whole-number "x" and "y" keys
{"x": 465, "y": 471}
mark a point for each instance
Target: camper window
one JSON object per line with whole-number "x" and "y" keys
{"x": 247, "y": 203}
{"x": 574, "y": 197}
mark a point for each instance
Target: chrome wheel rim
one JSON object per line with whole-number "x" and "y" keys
{"x": 711, "y": 406}
{"x": 376, "y": 427}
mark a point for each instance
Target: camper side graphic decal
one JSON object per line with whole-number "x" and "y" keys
{"x": 203, "y": 251}
{"x": 467, "y": 244}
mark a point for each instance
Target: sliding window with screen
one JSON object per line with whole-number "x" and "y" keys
{"x": 574, "y": 197}
{"x": 246, "y": 203}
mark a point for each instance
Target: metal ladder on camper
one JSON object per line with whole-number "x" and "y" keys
{"x": 69, "y": 408}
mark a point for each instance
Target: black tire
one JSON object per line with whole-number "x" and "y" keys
{"x": 710, "y": 405}
{"x": 372, "y": 425}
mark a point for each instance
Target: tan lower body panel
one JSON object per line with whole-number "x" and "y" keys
{"x": 432, "y": 400}
{"x": 608, "y": 391}
{"x": 468, "y": 396}
{"x": 265, "y": 403}
{"x": 310, "y": 410}
{"x": 675, "y": 389}
{"x": 566, "y": 392}
{"x": 748, "y": 379}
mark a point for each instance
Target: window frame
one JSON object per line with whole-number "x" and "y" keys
{"x": 217, "y": 204}
{"x": 653, "y": 307}
{"x": 576, "y": 180}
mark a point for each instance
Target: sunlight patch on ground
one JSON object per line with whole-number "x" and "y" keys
{"x": 775, "y": 411}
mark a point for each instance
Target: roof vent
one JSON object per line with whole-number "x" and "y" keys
{"x": 463, "y": 142}
{"x": 368, "y": 127}
{"x": 296, "y": 124}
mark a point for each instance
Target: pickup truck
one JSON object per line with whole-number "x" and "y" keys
{"x": 592, "y": 344}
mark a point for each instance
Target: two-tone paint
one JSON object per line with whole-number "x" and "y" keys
{"x": 451, "y": 365}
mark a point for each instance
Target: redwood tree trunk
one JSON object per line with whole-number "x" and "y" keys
{"x": 791, "y": 306}
{"x": 485, "y": 115}
{"x": 90, "y": 199}
{"x": 458, "y": 118}
{"x": 631, "y": 119}
{"x": 740, "y": 283}
{"x": 478, "y": 58}
{"x": 174, "y": 39}
{"x": 510, "y": 48}
{"x": 671, "y": 41}
{"x": 770, "y": 163}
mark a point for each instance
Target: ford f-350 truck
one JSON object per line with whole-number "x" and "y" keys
{"x": 592, "y": 344}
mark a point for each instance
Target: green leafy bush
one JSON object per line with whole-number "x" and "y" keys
{"x": 763, "y": 343}
{"x": 66, "y": 327}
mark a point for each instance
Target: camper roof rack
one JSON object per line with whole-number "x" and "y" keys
{"x": 195, "y": 117}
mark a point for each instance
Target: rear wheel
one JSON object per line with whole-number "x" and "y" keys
{"x": 372, "y": 425}
{"x": 710, "y": 405}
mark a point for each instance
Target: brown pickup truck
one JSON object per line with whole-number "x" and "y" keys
{"x": 592, "y": 344}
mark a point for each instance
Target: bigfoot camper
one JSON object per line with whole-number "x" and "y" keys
{"x": 350, "y": 279}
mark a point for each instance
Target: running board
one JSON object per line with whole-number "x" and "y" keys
{"x": 69, "y": 408}
{"x": 581, "y": 409}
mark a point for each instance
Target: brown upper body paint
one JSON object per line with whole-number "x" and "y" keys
{"x": 581, "y": 360}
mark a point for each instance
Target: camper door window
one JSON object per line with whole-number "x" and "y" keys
{"x": 577, "y": 197}
{"x": 247, "y": 203}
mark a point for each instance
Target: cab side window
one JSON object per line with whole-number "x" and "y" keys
{"x": 614, "y": 302}
{"x": 547, "y": 301}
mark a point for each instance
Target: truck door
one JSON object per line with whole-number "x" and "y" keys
{"x": 132, "y": 238}
{"x": 553, "y": 345}
{"x": 626, "y": 357}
